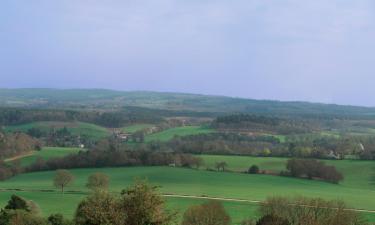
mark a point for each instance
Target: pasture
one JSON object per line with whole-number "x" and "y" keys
{"x": 136, "y": 127}
{"x": 168, "y": 134}
{"x": 46, "y": 153}
{"x": 191, "y": 182}
{"x": 357, "y": 173}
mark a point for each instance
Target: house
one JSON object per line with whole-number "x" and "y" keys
{"x": 123, "y": 136}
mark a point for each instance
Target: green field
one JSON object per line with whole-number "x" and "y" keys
{"x": 46, "y": 153}
{"x": 357, "y": 173}
{"x": 92, "y": 131}
{"x": 136, "y": 127}
{"x": 177, "y": 131}
{"x": 200, "y": 183}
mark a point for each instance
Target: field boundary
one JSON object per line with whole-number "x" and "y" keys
{"x": 176, "y": 196}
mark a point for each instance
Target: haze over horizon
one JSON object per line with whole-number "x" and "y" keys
{"x": 315, "y": 51}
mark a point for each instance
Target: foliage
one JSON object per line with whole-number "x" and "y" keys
{"x": 17, "y": 202}
{"x": 20, "y": 217}
{"x": 254, "y": 169}
{"x": 16, "y": 143}
{"x": 62, "y": 179}
{"x": 58, "y": 219}
{"x": 220, "y": 166}
{"x": 272, "y": 220}
{"x": 210, "y": 213}
{"x": 98, "y": 181}
{"x": 99, "y": 208}
{"x": 143, "y": 204}
{"x": 308, "y": 211}
{"x": 312, "y": 168}
{"x": 110, "y": 153}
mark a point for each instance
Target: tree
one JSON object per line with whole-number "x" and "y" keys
{"x": 143, "y": 204}
{"x": 210, "y": 213}
{"x": 20, "y": 217}
{"x": 98, "y": 181}
{"x": 221, "y": 166}
{"x": 254, "y": 169}
{"x": 99, "y": 208}
{"x": 62, "y": 179}
{"x": 16, "y": 202}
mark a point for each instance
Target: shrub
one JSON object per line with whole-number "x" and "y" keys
{"x": 254, "y": 169}
{"x": 312, "y": 168}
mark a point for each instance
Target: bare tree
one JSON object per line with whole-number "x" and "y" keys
{"x": 62, "y": 179}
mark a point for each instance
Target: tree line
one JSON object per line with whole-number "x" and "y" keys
{"x": 119, "y": 118}
{"x": 312, "y": 169}
{"x": 109, "y": 154}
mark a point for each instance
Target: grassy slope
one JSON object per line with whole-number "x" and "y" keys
{"x": 47, "y": 153}
{"x": 358, "y": 174}
{"x": 54, "y": 202}
{"x": 78, "y": 128}
{"x": 179, "y": 131}
{"x": 192, "y": 182}
{"x": 136, "y": 127}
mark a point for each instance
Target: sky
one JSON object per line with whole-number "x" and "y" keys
{"x": 306, "y": 50}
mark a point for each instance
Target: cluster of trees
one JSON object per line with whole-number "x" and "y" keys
{"x": 222, "y": 143}
{"x": 17, "y": 143}
{"x": 61, "y": 137}
{"x": 302, "y": 146}
{"x": 8, "y": 170}
{"x": 313, "y": 169}
{"x": 257, "y": 123}
{"x": 128, "y": 115}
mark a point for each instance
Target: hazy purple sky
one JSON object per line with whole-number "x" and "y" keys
{"x": 314, "y": 50}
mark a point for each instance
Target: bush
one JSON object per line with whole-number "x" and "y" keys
{"x": 312, "y": 168}
{"x": 254, "y": 169}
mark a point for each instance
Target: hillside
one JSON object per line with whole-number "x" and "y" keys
{"x": 110, "y": 99}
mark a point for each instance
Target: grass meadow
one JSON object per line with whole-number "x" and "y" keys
{"x": 46, "y": 153}
{"x": 189, "y": 182}
{"x": 177, "y": 131}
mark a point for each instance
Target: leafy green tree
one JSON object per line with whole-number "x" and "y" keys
{"x": 254, "y": 169}
{"x": 98, "y": 181}
{"x": 98, "y": 209}
{"x": 17, "y": 202}
{"x": 62, "y": 179}
{"x": 143, "y": 204}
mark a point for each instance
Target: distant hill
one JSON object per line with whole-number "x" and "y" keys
{"x": 111, "y": 100}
